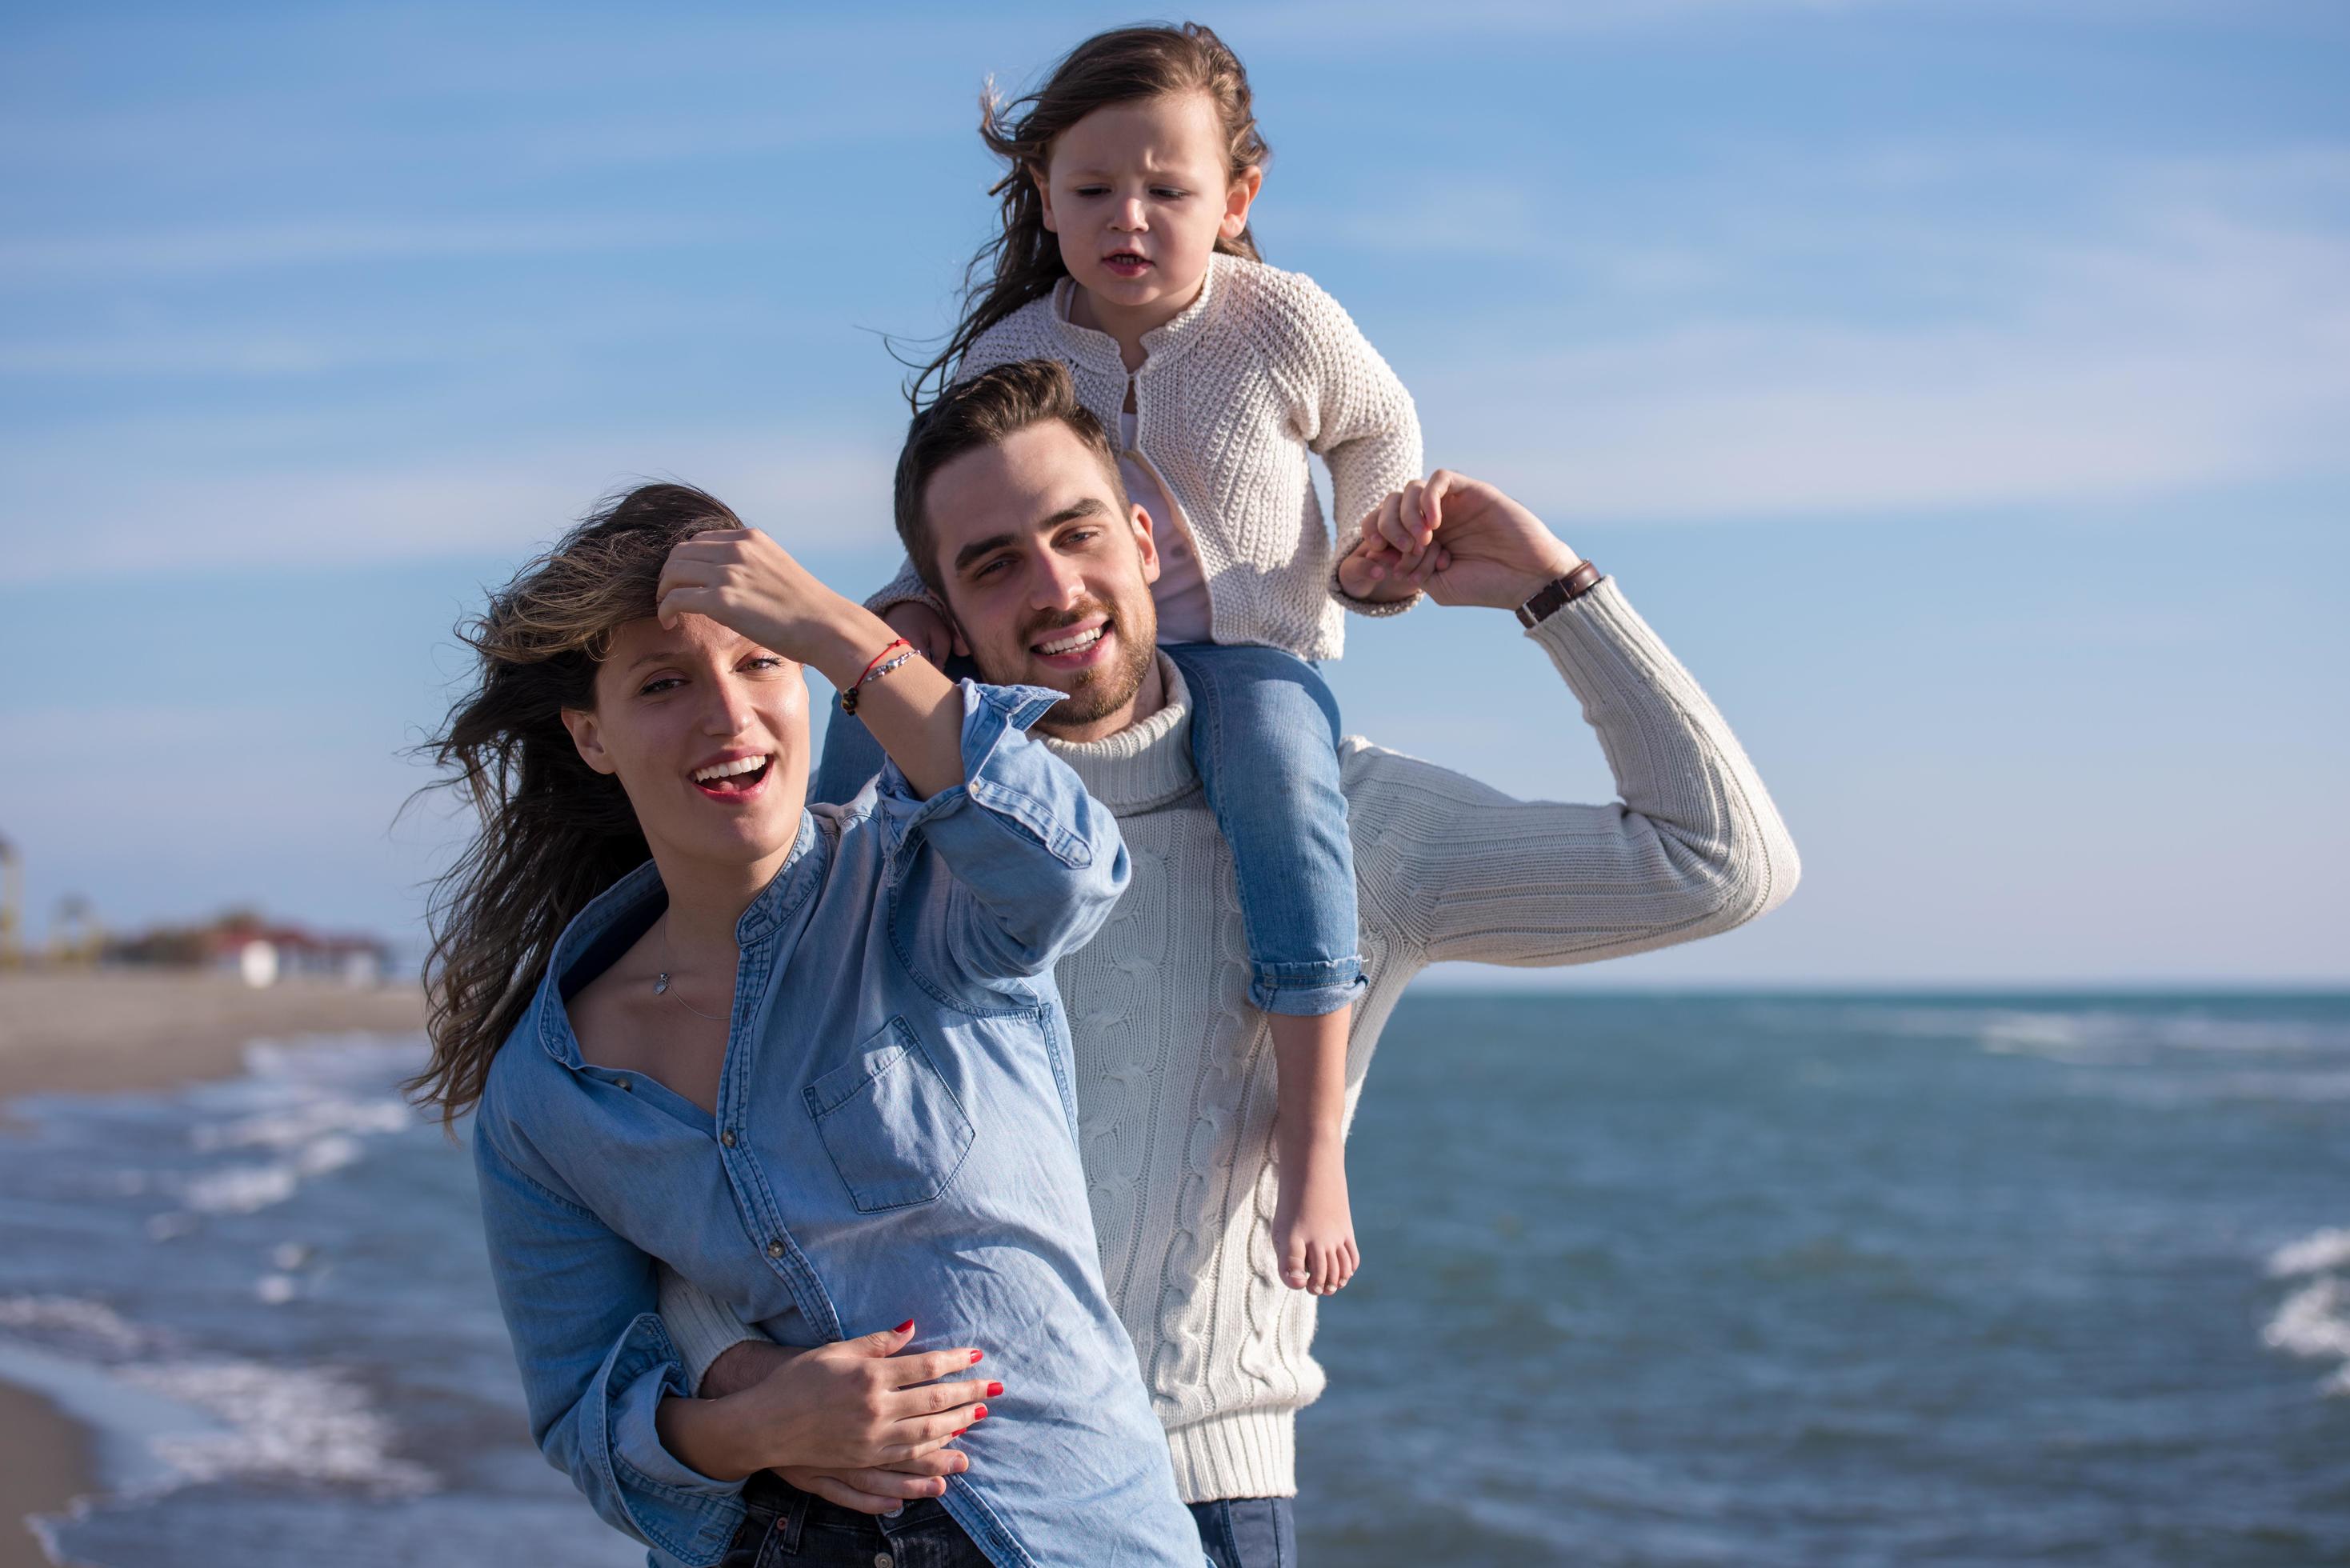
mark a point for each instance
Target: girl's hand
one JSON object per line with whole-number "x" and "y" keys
{"x": 923, "y": 628}
{"x": 1495, "y": 552}
{"x": 747, "y": 582}
{"x": 1396, "y": 554}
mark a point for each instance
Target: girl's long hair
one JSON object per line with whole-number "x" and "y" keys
{"x": 553, "y": 831}
{"x": 1023, "y": 262}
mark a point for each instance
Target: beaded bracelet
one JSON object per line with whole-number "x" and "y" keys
{"x": 875, "y": 671}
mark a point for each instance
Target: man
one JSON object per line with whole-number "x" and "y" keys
{"x": 1009, "y": 505}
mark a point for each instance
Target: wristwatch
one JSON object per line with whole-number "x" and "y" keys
{"x": 1558, "y": 591}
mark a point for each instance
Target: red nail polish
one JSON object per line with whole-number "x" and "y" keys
{"x": 975, "y": 1356}
{"x": 995, "y": 1390}
{"x": 959, "y": 1431}
{"x": 905, "y": 1325}
{"x": 978, "y": 1413}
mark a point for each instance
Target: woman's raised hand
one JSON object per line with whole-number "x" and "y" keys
{"x": 744, "y": 580}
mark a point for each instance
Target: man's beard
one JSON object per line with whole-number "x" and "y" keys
{"x": 1099, "y": 691}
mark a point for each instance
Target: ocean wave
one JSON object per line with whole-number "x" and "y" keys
{"x": 303, "y": 1423}
{"x": 2106, "y": 1035}
{"x": 2313, "y": 1254}
{"x": 317, "y": 1128}
{"x": 73, "y": 1324}
{"x": 304, "y": 1123}
{"x": 248, "y": 1188}
{"x": 2315, "y": 1321}
{"x": 242, "y": 1419}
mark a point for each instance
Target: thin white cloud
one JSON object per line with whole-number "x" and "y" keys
{"x": 310, "y": 242}
{"x": 275, "y": 517}
{"x": 2181, "y": 344}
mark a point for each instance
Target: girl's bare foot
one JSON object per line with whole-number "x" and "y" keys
{"x": 1313, "y": 1227}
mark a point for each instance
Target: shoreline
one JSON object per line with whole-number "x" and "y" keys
{"x": 116, "y": 1031}
{"x": 47, "y": 1460}
{"x": 123, "y": 1031}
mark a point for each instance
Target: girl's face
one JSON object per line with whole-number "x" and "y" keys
{"x": 707, "y": 731}
{"x": 1137, "y": 195}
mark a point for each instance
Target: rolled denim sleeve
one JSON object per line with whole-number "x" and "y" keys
{"x": 1038, "y": 863}
{"x": 596, "y": 1361}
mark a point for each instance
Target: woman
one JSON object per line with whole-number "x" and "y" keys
{"x": 810, "y": 1058}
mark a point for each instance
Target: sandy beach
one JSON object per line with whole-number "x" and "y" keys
{"x": 95, "y": 1032}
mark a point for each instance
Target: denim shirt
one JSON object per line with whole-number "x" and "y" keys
{"x": 896, "y": 1135}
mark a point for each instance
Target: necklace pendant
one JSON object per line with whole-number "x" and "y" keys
{"x": 660, "y": 983}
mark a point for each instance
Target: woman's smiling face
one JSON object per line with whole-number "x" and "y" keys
{"x": 1138, "y": 194}
{"x": 708, "y": 733}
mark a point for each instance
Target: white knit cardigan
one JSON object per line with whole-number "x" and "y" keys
{"x": 1175, "y": 1070}
{"x": 1260, "y": 369}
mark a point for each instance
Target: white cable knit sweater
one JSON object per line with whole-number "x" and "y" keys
{"x": 1175, "y": 1071}
{"x": 1261, "y": 369}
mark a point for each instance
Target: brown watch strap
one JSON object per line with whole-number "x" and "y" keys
{"x": 1558, "y": 591}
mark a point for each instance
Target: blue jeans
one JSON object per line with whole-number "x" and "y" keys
{"x": 787, "y": 1528}
{"x": 1264, "y": 740}
{"x": 1248, "y": 1532}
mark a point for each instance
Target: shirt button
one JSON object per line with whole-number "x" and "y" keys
{"x": 775, "y": 1248}
{"x": 627, "y": 1087}
{"x": 727, "y": 1137}
{"x": 883, "y": 1559}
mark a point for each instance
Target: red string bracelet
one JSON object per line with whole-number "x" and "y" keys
{"x": 867, "y": 672}
{"x": 875, "y": 670}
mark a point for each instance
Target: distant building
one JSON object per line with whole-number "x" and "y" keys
{"x": 262, "y": 952}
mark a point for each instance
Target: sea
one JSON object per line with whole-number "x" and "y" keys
{"x": 1647, "y": 1280}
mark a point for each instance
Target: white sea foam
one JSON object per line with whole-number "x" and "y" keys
{"x": 2103, "y": 1036}
{"x": 71, "y": 1322}
{"x": 2315, "y": 1321}
{"x": 248, "y": 1188}
{"x": 299, "y": 1423}
{"x": 2313, "y": 1253}
{"x": 204, "y": 1420}
{"x": 302, "y": 1123}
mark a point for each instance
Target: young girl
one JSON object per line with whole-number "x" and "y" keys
{"x": 1125, "y": 255}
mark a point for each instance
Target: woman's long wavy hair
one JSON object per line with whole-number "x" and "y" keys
{"x": 1023, "y": 262}
{"x": 553, "y": 831}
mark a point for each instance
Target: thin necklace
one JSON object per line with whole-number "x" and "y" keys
{"x": 660, "y": 983}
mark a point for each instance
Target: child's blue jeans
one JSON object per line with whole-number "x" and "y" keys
{"x": 1265, "y": 740}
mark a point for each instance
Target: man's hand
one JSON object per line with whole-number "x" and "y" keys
{"x": 883, "y": 1491}
{"x": 1463, "y": 540}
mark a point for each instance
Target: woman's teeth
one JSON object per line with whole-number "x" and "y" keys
{"x": 1071, "y": 644}
{"x": 717, "y": 771}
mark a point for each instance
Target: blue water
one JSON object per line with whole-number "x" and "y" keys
{"x": 1648, "y": 1281}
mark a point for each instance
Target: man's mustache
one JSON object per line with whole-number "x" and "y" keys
{"x": 1044, "y": 624}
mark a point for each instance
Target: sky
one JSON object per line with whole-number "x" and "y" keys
{"x": 1962, "y": 389}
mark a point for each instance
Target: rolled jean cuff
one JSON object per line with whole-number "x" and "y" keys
{"x": 1305, "y": 990}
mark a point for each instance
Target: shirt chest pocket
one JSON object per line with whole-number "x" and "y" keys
{"x": 891, "y": 1127}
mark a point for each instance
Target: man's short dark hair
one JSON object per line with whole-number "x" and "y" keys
{"x": 986, "y": 411}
